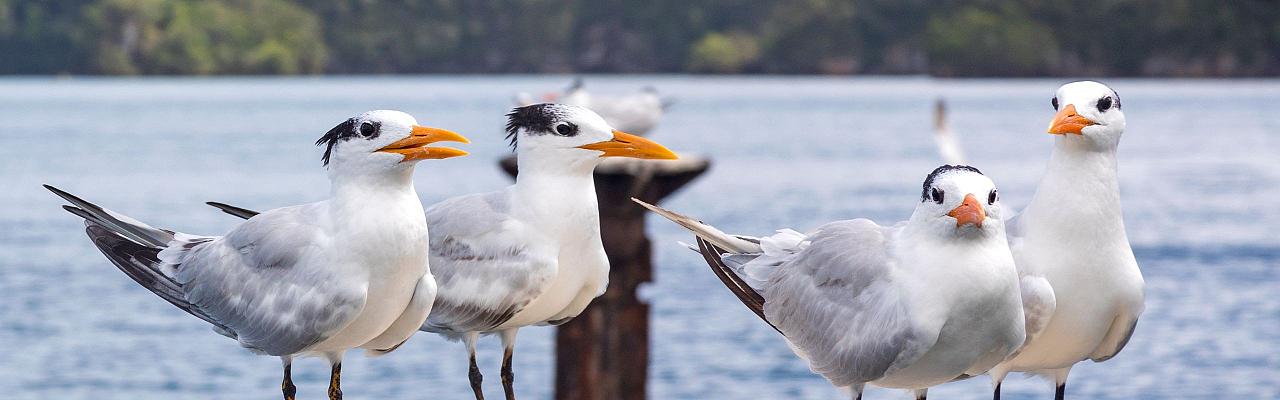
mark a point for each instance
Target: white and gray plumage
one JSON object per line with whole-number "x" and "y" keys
{"x": 1082, "y": 288}
{"x": 637, "y": 113}
{"x": 531, "y": 253}
{"x": 315, "y": 279}
{"x": 907, "y": 306}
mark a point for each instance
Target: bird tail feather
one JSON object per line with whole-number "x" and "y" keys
{"x": 135, "y": 248}
{"x": 720, "y": 250}
{"x": 233, "y": 210}
{"x": 724, "y": 241}
{"x": 120, "y": 224}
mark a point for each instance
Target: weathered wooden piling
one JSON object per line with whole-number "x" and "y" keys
{"x": 604, "y": 352}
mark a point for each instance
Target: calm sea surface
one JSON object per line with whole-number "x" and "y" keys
{"x": 1199, "y": 172}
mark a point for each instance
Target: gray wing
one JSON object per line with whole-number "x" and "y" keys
{"x": 487, "y": 264}
{"x": 1038, "y": 299}
{"x": 268, "y": 282}
{"x": 838, "y": 306}
{"x": 1038, "y": 305}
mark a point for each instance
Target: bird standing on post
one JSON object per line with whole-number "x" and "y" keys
{"x": 529, "y": 254}
{"x": 908, "y": 306}
{"x": 1082, "y": 289}
{"x": 316, "y": 279}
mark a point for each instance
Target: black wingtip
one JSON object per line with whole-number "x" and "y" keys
{"x": 748, "y": 296}
{"x": 61, "y": 193}
{"x": 233, "y": 210}
{"x": 70, "y": 197}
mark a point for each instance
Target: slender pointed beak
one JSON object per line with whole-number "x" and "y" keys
{"x": 968, "y": 212}
{"x": 415, "y": 148}
{"x": 627, "y": 145}
{"x": 1068, "y": 121}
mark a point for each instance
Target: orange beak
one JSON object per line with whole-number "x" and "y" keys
{"x": 968, "y": 212}
{"x": 415, "y": 148}
{"x": 628, "y": 145}
{"x": 1067, "y": 121}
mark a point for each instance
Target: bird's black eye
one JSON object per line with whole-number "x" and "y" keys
{"x": 566, "y": 129}
{"x": 936, "y": 195}
{"x": 992, "y": 197}
{"x": 1104, "y": 104}
{"x": 367, "y": 129}
{"x": 1055, "y": 103}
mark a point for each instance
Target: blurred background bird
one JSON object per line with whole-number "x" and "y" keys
{"x": 637, "y": 113}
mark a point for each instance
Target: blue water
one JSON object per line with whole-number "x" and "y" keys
{"x": 1199, "y": 170}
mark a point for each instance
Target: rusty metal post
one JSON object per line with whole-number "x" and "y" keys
{"x": 604, "y": 352}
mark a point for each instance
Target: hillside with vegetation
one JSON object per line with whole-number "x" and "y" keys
{"x": 941, "y": 38}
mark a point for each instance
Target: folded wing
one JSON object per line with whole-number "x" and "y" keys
{"x": 837, "y": 303}
{"x": 270, "y": 281}
{"x": 264, "y": 283}
{"x": 488, "y": 265}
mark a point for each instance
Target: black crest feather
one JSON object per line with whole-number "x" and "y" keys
{"x": 536, "y": 118}
{"x": 341, "y": 132}
{"x": 928, "y": 181}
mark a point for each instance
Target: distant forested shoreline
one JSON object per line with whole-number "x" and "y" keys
{"x": 1196, "y": 38}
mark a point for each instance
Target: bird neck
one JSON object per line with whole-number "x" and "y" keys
{"x": 378, "y": 218}
{"x": 547, "y": 170}
{"x": 557, "y": 191}
{"x": 1080, "y": 188}
{"x": 370, "y": 189}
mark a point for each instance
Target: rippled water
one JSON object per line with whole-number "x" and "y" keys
{"x": 1199, "y": 174}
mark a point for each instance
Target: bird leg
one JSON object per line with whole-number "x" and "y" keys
{"x": 335, "y": 382}
{"x": 508, "y": 348}
{"x": 922, "y": 394}
{"x": 508, "y": 378}
{"x": 1060, "y": 378}
{"x": 855, "y": 391}
{"x": 286, "y": 386}
{"x": 474, "y": 373}
{"x": 996, "y": 394}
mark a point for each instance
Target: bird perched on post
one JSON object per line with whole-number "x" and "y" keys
{"x": 1082, "y": 289}
{"x": 316, "y": 279}
{"x": 530, "y": 254}
{"x": 908, "y": 306}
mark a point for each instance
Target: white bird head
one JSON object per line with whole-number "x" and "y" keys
{"x": 574, "y": 135}
{"x": 384, "y": 140}
{"x": 958, "y": 200}
{"x": 1088, "y": 117}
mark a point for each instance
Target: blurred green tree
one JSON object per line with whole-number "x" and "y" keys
{"x": 723, "y": 53}
{"x": 976, "y": 40}
{"x": 940, "y": 37}
{"x": 202, "y": 37}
